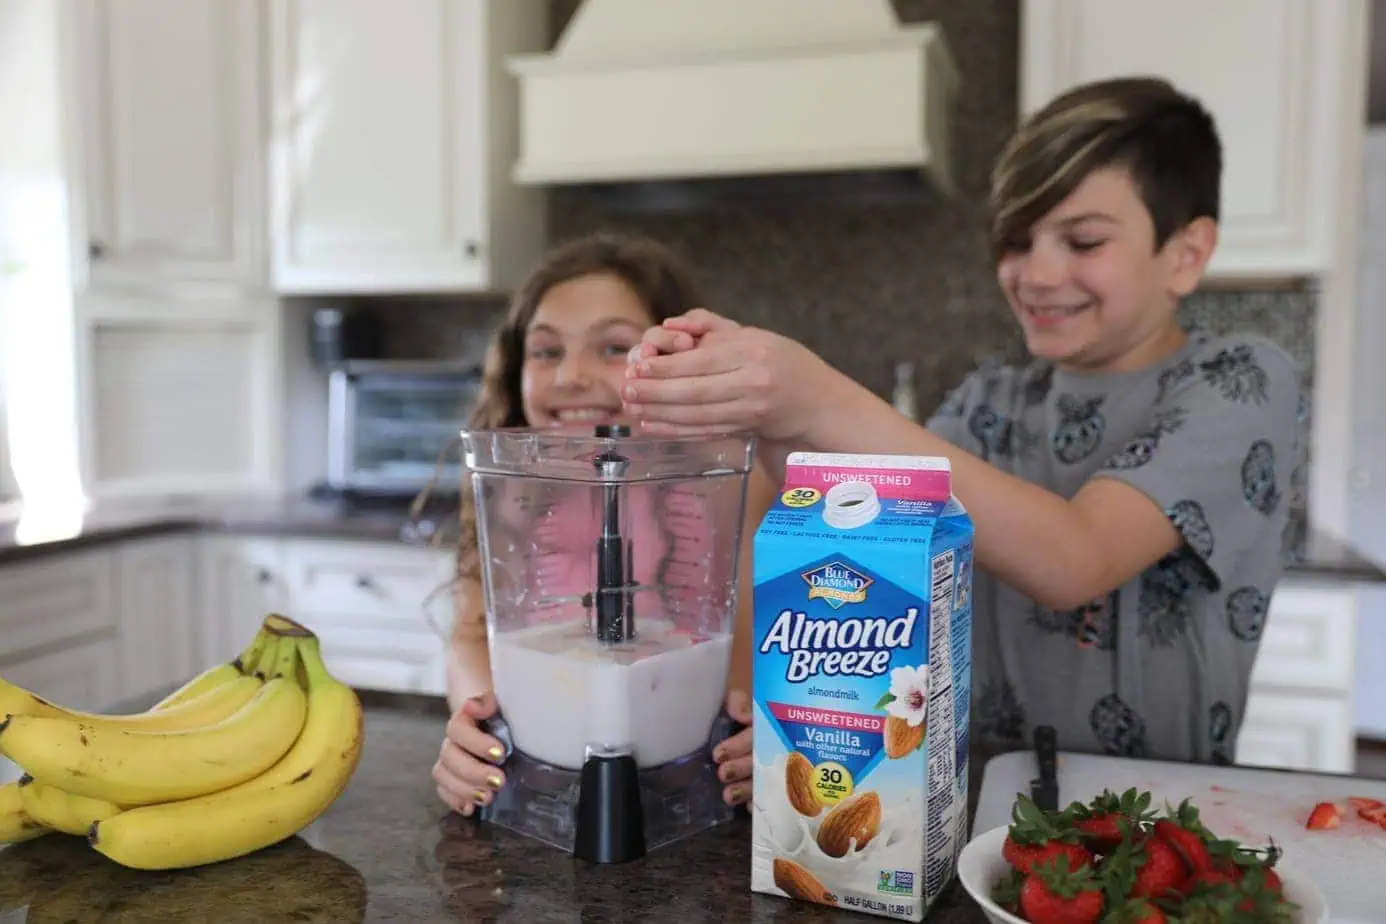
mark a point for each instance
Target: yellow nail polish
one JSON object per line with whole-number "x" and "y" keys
{"x": 495, "y": 753}
{"x": 493, "y": 781}
{"x": 479, "y": 796}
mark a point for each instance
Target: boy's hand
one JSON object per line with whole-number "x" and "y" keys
{"x": 732, "y": 378}
{"x": 733, "y": 756}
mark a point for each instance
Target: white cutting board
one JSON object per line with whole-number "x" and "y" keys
{"x": 1252, "y": 806}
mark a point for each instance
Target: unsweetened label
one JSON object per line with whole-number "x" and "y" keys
{"x": 862, "y": 679}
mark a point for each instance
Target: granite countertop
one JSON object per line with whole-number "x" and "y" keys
{"x": 27, "y": 533}
{"x": 388, "y": 850}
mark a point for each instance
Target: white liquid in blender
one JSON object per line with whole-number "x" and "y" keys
{"x": 561, "y": 690}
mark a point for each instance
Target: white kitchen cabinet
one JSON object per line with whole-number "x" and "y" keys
{"x": 1282, "y": 78}
{"x": 394, "y": 129}
{"x": 178, "y": 395}
{"x": 158, "y": 612}
{"x": 1299, "y": 713}
{"x": 59, "y": 631}
{"x": 381, "y": 610}
{"x": 240, "y": 581}
{"x": 167, "y": 125}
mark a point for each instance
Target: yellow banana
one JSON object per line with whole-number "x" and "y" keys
{"x": 15, "y": 823}
{"x": 139, "y": 768}
{"x": 62, "y": 811}
{"x": 15, "y": 700}
{"x": 263, "y": 811}
{"x": 243, "y": 664}
{"x": 209, "y": 708}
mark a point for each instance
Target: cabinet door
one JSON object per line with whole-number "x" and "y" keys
{"x": 1278, "y": 76}
{"x": 381, "y": 610}
{"x": 379, "y": 167}
{"x": 240, "y": 582}
{"x": 168, "y": 128}
{"x": 1297, "y": 731}
{"x": 158, "y": 615}
{"x": 178, "y": 395}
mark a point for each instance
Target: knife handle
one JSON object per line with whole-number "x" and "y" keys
{"x": 1046, "y": 746}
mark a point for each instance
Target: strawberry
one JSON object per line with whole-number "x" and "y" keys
{"x": 1324, "y": 816}
{"x": 1055, "y": 894}
{"x": 1159, "y": 871}
{"x": 1109, "y": 819}
{"x": 1135, "y": 911}
{"x": 1370, "y": 810}
{"x": 1037, "y": 836}
{"x": 1182, "y": 831}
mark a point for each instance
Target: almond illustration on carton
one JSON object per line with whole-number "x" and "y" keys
{"x": 798, "y": 783}
{"x": 856, "y": 817}
{"x": 799, "y": 883}
{"x": 902, "y": 738}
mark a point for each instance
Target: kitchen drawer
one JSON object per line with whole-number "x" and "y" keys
{"x": 56, "y": 599}
{"x": 1300, "y": 731}
{"x": 1309, "y": 640}
{"x": 365, "y": 584}
{"x": 375, "y": 659}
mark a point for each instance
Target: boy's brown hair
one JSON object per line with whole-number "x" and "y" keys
{"x": 1166, "y": 140}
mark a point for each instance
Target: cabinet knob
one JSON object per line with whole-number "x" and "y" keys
{"x": 264, "y": 576}
{"x": 364, "y": 581}
{"x": 95, "y": 250}
{"x": 472, "y": 249}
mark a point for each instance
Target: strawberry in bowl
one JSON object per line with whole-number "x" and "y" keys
{"x": 1114, "y": 861}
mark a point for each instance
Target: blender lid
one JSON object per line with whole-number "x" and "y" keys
{"x": 567, "y": 453}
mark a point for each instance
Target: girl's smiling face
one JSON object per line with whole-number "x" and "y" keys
{"x": 575, "y": 351}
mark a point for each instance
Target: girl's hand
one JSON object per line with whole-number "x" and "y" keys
{"x": 734, "y": 379}
{"x": 733, "y": 756}
{"x": 466, "y": 771}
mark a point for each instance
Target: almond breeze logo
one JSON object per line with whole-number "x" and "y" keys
{"x": 837, "y": 584}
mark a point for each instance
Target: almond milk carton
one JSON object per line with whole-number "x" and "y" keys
{"x": 862, "y": 666}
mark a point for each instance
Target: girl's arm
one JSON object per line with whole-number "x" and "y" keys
{"x": 760, "y": 494}
{"x": 469, "y": 662}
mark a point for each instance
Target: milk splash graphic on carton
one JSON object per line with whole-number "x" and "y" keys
{"x": 862, "y": 682}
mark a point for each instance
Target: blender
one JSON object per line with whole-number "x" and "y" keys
{"x": 609, "y": 572}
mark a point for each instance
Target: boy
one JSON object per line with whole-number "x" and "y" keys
{"x": 1128, "y": 486}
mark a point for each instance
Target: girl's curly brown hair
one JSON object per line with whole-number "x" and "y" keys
{"x": 659, "y": 278}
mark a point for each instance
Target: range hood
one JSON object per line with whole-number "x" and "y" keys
{"x": 636, "y": 91}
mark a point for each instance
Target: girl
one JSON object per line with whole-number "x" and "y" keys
{"x": 559, "y": 359}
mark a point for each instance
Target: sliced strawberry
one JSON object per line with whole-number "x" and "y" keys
{"x": 1376, "y": 814}
{"x": 1360, "y": 803}
{"x": 1324, "y": 816}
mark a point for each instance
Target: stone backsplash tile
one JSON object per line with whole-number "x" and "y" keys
{"x": 866, "y": 286}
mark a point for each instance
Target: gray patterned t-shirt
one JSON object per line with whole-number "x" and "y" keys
{"x": 1160, "y": 666}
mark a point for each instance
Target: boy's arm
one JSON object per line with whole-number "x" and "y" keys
{"x": 1065, "y": 552}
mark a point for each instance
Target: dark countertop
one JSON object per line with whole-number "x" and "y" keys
{"x": 28, "y": 533}
{"x": 389, "y": 851}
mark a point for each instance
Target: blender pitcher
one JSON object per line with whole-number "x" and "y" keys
{"x": 609, "y": 574}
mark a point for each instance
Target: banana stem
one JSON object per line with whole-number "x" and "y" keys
{"x": 265, "y": 662}
{"x": 311, "y": 659}
{"x": 248, "y": 659}
{"x": 286, "y": 658}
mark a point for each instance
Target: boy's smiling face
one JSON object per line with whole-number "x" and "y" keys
{"x": 1090, "y": 289}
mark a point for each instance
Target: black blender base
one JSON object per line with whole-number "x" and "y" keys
{"x": 610, "y": 811}
{"x": 610, "y": 818}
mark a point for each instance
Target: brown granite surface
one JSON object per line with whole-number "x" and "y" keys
{"x": 388, "y": 851}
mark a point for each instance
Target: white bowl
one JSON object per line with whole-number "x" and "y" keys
{"x": 980, "y": 865}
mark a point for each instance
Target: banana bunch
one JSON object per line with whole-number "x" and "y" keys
{"x": 243, "y": 756}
